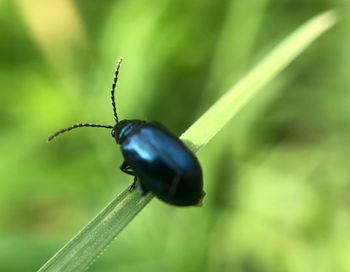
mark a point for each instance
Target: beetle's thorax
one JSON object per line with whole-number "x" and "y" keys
{"x": 124, "y": 128}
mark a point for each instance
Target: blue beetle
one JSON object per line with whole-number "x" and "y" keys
{"x": 158, "y": 160}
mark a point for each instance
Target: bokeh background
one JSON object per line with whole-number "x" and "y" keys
{"x": 277, "y": 177}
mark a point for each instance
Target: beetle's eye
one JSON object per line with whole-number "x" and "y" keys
{"x": 113, "y": 133}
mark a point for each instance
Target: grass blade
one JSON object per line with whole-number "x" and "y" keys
{"x": 79, "y": 253}
{"x": 214, "y": 119}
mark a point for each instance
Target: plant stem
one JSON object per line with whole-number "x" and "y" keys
{"x": 80, "y": 252}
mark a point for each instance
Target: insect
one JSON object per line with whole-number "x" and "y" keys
{"x": 159, "y": 161}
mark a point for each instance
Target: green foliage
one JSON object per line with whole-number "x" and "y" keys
{"x": 276, "y": 178}
{"x": 83, "y": 249}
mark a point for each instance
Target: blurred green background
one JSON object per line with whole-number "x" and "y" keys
{"x": 277, "y": 177}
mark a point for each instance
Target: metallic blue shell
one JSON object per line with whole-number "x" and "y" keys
{"x": 163, "y": 164}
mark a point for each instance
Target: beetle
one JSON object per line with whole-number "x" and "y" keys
{"x": 158, "y": 160}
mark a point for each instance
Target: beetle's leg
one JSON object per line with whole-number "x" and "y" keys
{"x": 137, "y": 184}
{"x": 133, "y": 186}
{"x": 143, "y": 191}
{"x": 126, "y": 169}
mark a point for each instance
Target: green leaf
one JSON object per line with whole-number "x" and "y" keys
{"x": 79, "y": 253}
{"x": 214, "y": 119}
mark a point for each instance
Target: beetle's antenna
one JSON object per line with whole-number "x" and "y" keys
{"x": 74, "y": 127}
{"x": 116, "y": 72}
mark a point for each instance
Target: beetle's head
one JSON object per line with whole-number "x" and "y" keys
{"x": 124, "y": 128}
